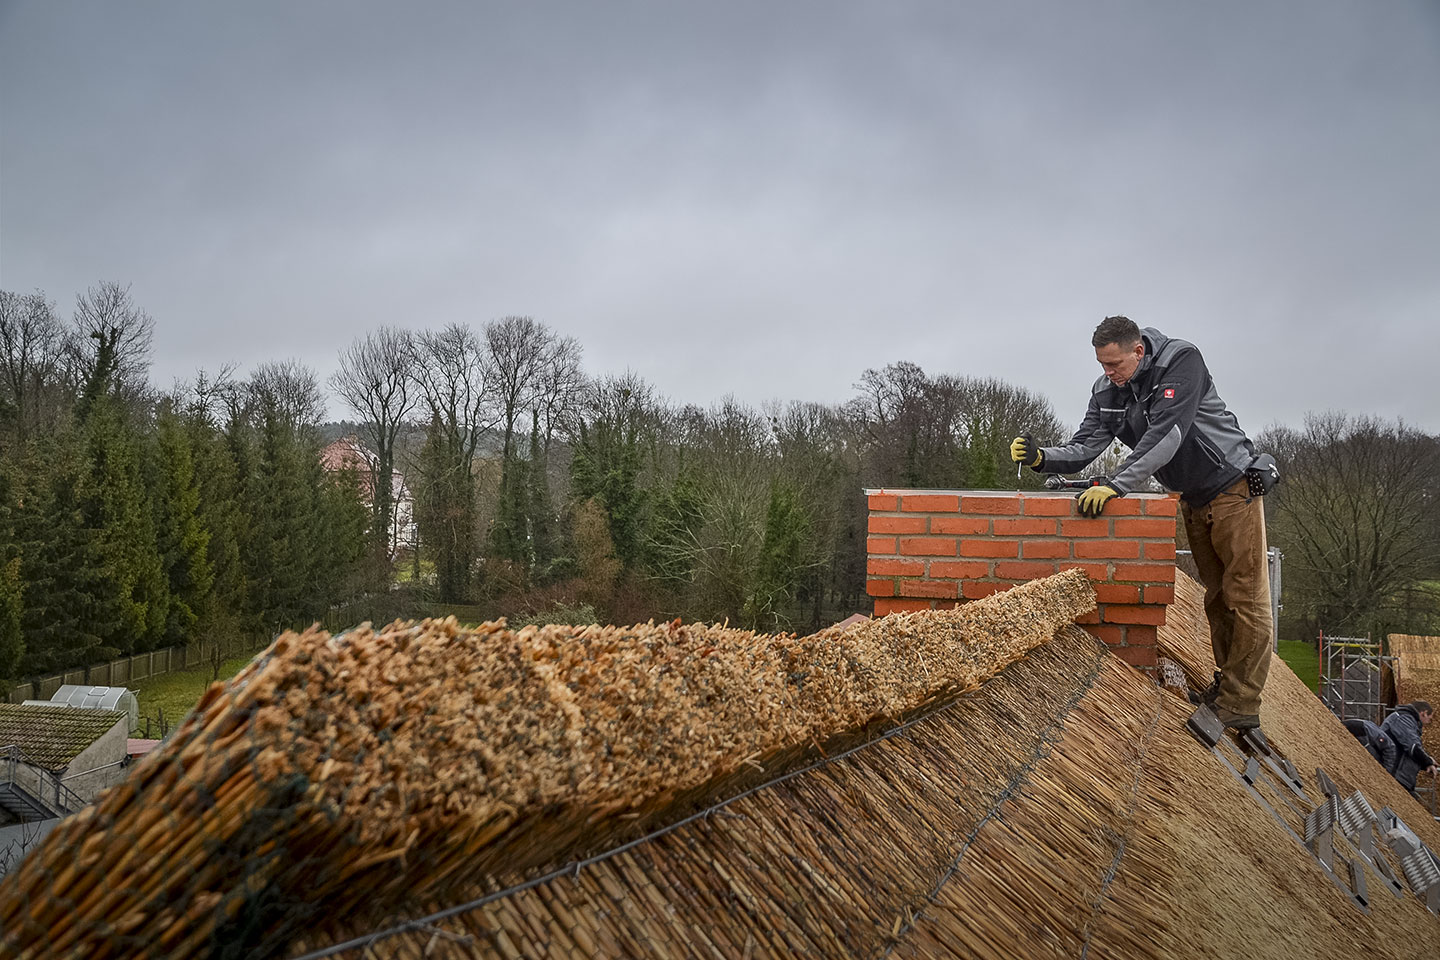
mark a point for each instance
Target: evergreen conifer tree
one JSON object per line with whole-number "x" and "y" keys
{"x": 70, "y": 607}
{"x": 12, "y": 640}
{"x": 116, "y": 515}
{"x": 277, "y": 532}
{"x": 782, "y": 555}
{"x": 180, "y": 533}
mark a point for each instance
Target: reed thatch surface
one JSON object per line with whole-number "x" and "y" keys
{"x": 1060, "y": 810}
{"x": 1056, "y": 809}
{"x": 357, "y": 775}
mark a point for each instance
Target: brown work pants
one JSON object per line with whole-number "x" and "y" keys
{"x": 1227, "y": 538}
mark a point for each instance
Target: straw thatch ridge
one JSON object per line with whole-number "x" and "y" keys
{"x": 351, "y": 775}
{"x": 1061, "y": 810}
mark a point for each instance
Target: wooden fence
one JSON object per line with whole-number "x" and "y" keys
{"x": 126, "y": 670}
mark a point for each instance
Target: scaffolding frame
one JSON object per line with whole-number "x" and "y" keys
{"x": 1351, "y": 677}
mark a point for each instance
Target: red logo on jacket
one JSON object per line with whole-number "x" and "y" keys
{"x": 1169, "y": 393}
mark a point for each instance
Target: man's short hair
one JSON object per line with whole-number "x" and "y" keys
{"x": 1118, "y": 330}
{"x": 1422, "y": 706}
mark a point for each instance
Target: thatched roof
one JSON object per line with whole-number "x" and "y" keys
{"x": 1056, "y": 808}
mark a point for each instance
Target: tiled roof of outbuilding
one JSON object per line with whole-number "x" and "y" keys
{"x": 51, "y": 737}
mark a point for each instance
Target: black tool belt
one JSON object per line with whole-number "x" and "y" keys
{"x": 1262, "y": 475}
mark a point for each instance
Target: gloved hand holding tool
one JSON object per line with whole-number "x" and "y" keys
{"x": 1024, "y": 451}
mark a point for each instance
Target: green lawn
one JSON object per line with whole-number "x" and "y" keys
{"x": 1302, "y": 658}
{"x": 171, "y": 695}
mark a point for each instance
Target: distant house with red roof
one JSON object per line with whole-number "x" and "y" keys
{"x": 348, "y": 453}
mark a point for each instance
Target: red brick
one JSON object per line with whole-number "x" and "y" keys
{"x": 1117, "y": 593}
{"x": 1045, "y": 549}
{"x": 1140, "y": 636}
{"x": 884, "y": 501}
{"x": 1156, "y": 527}
{"x": 1160, "y": 550}
{"x": 1108, "y": 634}
{"x": 880, "y": 588}
{"x": 1160, "y": 595}
{"x": 1153, "y": 572}
{"x": 1020, "y": 570}
{"x": 959, "y": 569}
{"x": 884, "y": 545}
{"x": 989, "y": 548}
{"x": 1095, "y": 571}
{"x": 1025, "y": 527}
{"x": 960, "y": 525}
{"x": 883, "y": 606}
{"x": 1122, "y": 507}
{"x": 1112, "y": 549}
{"x": 882, "y": 567}
{"x": 930, "y": 502}
{"x": 980, "y": 589}
{"x": 927, "y": 546}
{"x": 1085, "y": 527}
{"x": 897, "y": 524}
{"x": 944, "y": 589}
{"x": 1089, "y": 617}
{"x": 1009, "y": 506}
{"x": 1142, "y": 658}
{"x": 1047, "y": 506}
{"x": 946, "y": 604}
{"x": 1162, "y": 506}
{"x": 1134, "y": 613}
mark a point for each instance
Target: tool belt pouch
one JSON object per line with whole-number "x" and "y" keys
{"x": 1262, "y": 475}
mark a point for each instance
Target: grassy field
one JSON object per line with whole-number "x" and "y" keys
{"x": 1302, "y": 658}
{"x": 171, "y": 695}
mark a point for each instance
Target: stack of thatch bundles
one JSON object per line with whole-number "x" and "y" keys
{"x": 350, "y": 775}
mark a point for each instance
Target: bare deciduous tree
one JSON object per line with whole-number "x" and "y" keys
{"x": 1356, "y": 514}
{"x": 451, "y": 373}
{"x": 31, "y": 353}
{"x": 561, "y": 386}
{"x": 516, "y": 349}
{"x": 287, "y": 390}
{"x": 109, "y": 330}
{"x": 376, "y": 380}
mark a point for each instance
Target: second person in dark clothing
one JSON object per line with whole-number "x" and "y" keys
{"x": 1404, "y": 726}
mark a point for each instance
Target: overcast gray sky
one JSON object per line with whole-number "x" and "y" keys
{"x": 761, "y": 199}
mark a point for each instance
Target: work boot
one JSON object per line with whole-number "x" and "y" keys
{"x": 1208, "y": 695}
{"x": 1237, "y": 721}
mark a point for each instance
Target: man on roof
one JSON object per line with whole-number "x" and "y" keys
{"x": 1404, "y": 727}
{"x": 1157, "y": 397}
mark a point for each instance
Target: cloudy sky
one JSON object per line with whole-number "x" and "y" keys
{"x": 753, "y": 198}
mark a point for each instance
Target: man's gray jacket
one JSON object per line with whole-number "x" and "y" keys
{"x": 1404, "y": 728}
{"x": 1177, "y": 427}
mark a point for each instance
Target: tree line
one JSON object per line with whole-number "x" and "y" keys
{"x": 132, "y": 518}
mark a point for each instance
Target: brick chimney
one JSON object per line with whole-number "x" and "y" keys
{"x": 932, "y": 549}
